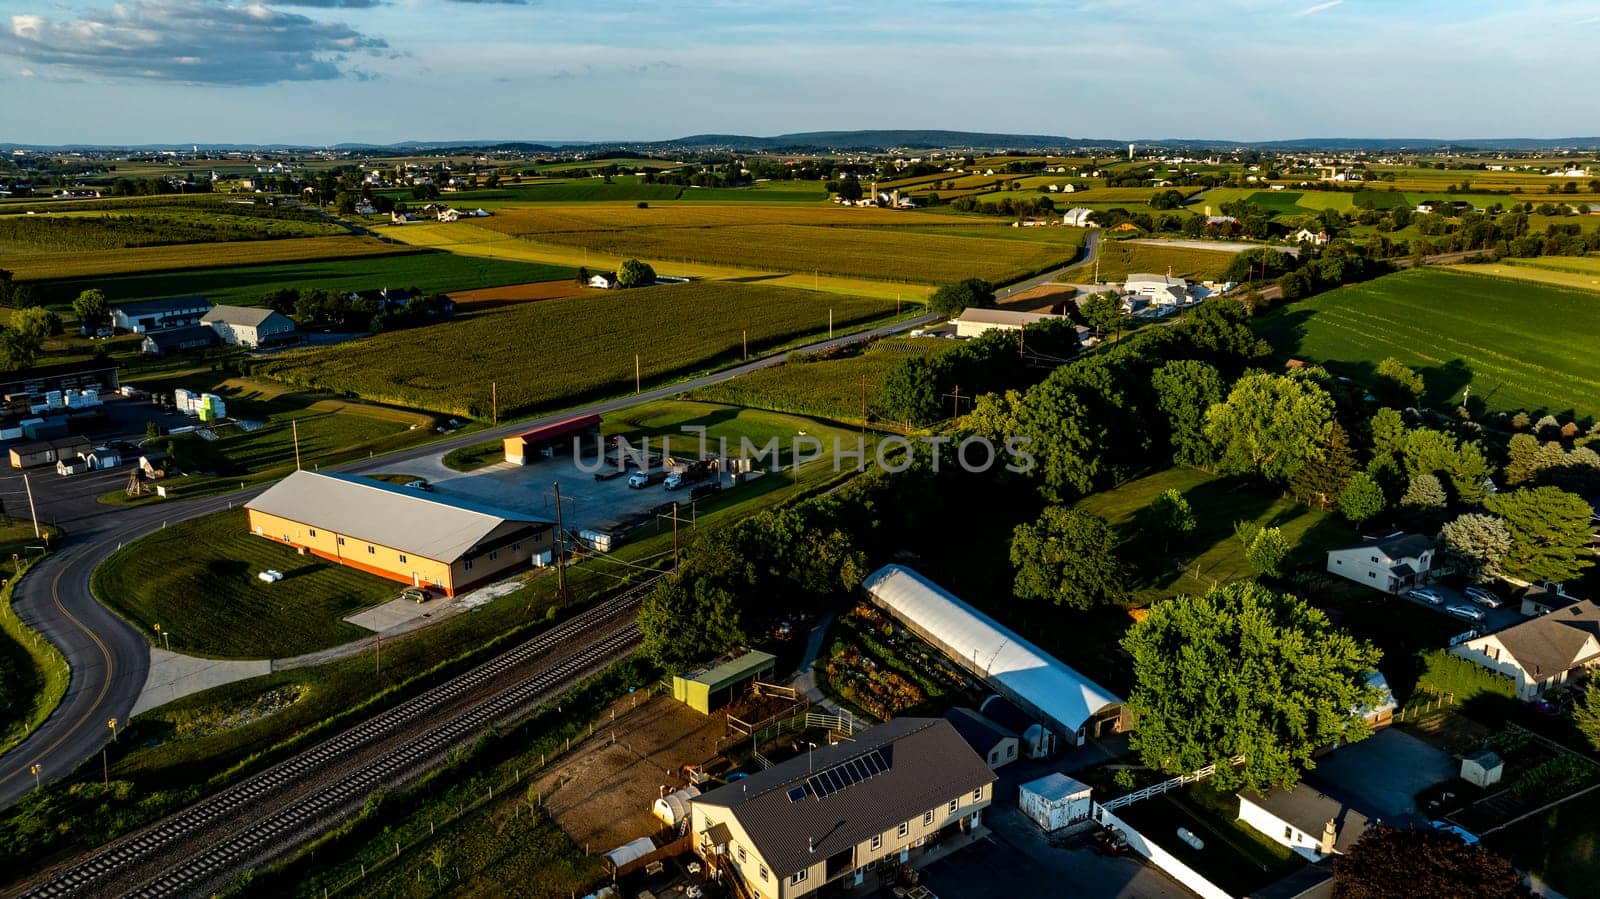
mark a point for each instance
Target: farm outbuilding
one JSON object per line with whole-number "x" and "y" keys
{"x": 1034, "y": 740}
{"x": 1055, "y": 801}
{"x": 1482, "y": 768}
{"x": 1067, "y": 703}
{"x": 44, "y": 452}
{"x": 987, "y": 737}
{"x": 673, "y": 808}
{"x": 709, "y": 688}
{"x": 520, "y": 448}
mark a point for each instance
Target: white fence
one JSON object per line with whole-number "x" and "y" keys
{"x": 1181, "y": 780}
{"x": 1161, "y": 858}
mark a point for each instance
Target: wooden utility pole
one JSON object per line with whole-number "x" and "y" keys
{"x": 956, "y": 402}
{"x": 31, "y": 510}
{"x": 294, "y": 426}
{"x": 494, "y": 403}
{"x": 745, "y": 337}
{"x": 561, "y": 549}
{"x": 636, "y": 379}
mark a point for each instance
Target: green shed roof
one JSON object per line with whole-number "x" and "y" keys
{"x": 731, "y": 671}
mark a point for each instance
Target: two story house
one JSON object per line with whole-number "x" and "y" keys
{"x": 834, "y": 813}
{"x": 1393, "y": 564}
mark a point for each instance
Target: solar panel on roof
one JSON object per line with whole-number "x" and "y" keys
{"x": 845, "y": 774}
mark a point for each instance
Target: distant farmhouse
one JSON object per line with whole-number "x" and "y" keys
{"x": 396, "y": 532}
{"x": 249, "y": 326}
{"x": 154, "y": 315}
{"x": 975, "y": 322}
{"x": 1157, "y": 290}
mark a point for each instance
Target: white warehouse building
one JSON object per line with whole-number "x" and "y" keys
{"x": 1075, "y": 708}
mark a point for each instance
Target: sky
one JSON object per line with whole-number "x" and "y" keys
{"x": 317, "y": 72}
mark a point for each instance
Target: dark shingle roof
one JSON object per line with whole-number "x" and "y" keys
{"x": 926, "y": 765}
{"x": 172, "y": 338}
{"x": 168, "y": 304}
{"x": 1309, "y": 811}
{"x": 1404, "y": 546}
{"x": 1552, "y": 643}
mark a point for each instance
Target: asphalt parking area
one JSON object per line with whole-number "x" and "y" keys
{"x": 1379, "y": 776}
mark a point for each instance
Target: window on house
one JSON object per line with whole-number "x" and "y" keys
{"x": 311, "y": 531}
{"x": 763, "y": 873}
{"x": 877, "y": 842}
{"x": 494, "y": 555}
{"x": 977, "y": 795}
{"x": 467, "y": 565}
{"x": 339, "y": 540}
{"x": 905, "y": 828}
{"x": 515, "y": 547}
{"x": 371, "y": 550}
{"x": 798, "y": 876}
{"x": 1011, "y": 751}
{"x": 1288, "y": 832}
{"x": 927, "y": 818}
{"x": 403, "y": 558}
{"x": 741, "y": 855}
{"x": 954, "y": 804}
{"x": 1373, "y": 575}
{"x": 285, "y": 538}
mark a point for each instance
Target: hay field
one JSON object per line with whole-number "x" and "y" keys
{"x": 550, "y": 354}
{"x": 853, "y": 242}
{"x": 43, "y": 265}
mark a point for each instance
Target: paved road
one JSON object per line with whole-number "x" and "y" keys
{"x": 109, "y": 657}
{"x": 1091, "y": 249}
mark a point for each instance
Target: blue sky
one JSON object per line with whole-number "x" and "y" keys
{"x": 325, "y": 71}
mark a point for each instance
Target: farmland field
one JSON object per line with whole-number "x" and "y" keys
{"x": 245, "y": 285}
{"x": 1118, "y": 259}
{"x": 799, "y": 239}
{"x": 545, "y": 355}
{"x": 198, "y": 579}
{"x": 829, "y": 387}
{"x": 41, "y": 265}
{"x": 1560, "y": 271}
{"x": 1457, "y": 330}
{"x": 160, "y": 226}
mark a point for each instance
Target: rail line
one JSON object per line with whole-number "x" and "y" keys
{"x": 320, "y": 808}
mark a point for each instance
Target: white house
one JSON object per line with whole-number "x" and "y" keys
{"x": 974, "y": 322}
{"x": 1315, "y": 238}
{"x": 1542, "y": 652}
{"x": 1159, "y": 290}
{"x": 1393, "y": 564}
{"x": 1313, "y": 825}
{"x": 603, "y": 280}
{"x": 249, "y": 326}
{"x": 1055, "y": 801}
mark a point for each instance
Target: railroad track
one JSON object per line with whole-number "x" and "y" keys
{"x": 321, "y": 808}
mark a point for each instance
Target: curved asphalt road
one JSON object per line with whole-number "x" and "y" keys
{"x": 110, "y": 658}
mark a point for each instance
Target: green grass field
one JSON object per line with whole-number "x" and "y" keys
{"x": 247, "y": 284}
{"x": 831, "y": 387}
{"x": 1519, "y": 345}
{"x": 158, "y": 226}
{"x": 668, "y": 419}
{"x": 1119, "y": 259}
{"x": 197, "y": 579}
{"x": 546, "y": 355}
{"x": 33, "y": 673}
{"x": 1211, "y": 555}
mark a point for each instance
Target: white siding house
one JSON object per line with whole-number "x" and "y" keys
{"x": 1393, "y": 564}
{"x": 1313, "y": 825}
{"x": 248, "y": 326}
{"x": 1543, "y": 652}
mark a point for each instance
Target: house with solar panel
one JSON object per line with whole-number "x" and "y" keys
{"x": 900, "y": 791}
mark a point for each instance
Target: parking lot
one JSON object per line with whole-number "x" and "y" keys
{"x": 1493, "y": 619}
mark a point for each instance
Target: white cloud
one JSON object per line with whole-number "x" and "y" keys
{"x": 190, "y": 41}
{"x": 1320, "y": 7}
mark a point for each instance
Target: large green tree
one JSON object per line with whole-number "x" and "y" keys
{"x": 1398, "y": 385}
{"x": 1550, "y": 533}
{"x": 1322, "y": 479}
{"x": 910, "y": 391}
{"x": 687, "y": 618}
{"x": 1362, "y": 499}
{"x": 1400, "y": 864}
{"x": 1475, "y": 544}
{"x": 91, "y": 308}
{"x": 1103, "y": 313}
{"x": 1069, "y": 558}
{"x": 1270, "y": 426}
{"x": 971, "y": 293}
{"x": 1184, "y": 390}
{"x": 1586, "y": 714}
{"x": 633, "y": 273}
{"x": 1244, "y": 671}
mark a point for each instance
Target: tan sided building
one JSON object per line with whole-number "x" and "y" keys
{"x": 397, "y": 532}
{"x": 829, "y": 816}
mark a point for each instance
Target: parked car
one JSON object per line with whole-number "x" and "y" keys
{"x": 420, "y": 484}
{"x": 1468, "y": 634}
{"x": 1469, "y": 613}
{"x": 415, "y": 594}
{"x": 1426, "y": 594}
{"x": 1483, "y": 597}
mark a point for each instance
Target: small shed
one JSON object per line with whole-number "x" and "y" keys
{"x": 28, "y": 455}
{"x": 1055, "y": 801}
{"x": 995, "y": 743}
{"x": 674, "y": 807}
{"x": 630, "y": 851}
{"x": 708, "y": 688}
{"x": 1482, "y": 768}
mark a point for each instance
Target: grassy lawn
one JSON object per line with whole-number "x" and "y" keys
{"x": 669, "y": 418}
{"x": 1235, "y": 858}
{"x": 246, "y": 285}
{"x": 1119, "y": 259}
{"x": 830, "y": 386}
{"x": 1457, "y": 330}
{"x": 197, "y": 579}
{"x": 33, "y": 673}
{"x": 329, "y": 431}
{"x": 1578, "y": 272}
{"x": 583, "y": 347}
{"x": 475, "y": 456}
{"x": 1211, "y": 555}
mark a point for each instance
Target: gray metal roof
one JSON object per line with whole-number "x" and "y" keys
{"x": 246, "y": 316}
{"x": 925, "y": 765}
{"x": 386, "y": 514}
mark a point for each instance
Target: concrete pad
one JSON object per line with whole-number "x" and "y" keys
{"x": 397, "y": 613}
{"x": 174, "y": 675}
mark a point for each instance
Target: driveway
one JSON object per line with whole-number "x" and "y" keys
{"x": 1493, "y": 620}
{"x": 1379, "y": 775}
